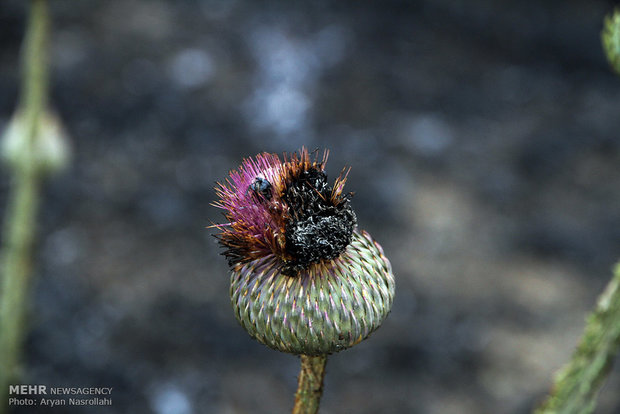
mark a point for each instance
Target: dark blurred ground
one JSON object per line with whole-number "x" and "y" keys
{"x": 484, "y": 146}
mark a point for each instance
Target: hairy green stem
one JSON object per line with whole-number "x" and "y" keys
{"x": 578, "y": 383}
{"x": 310, "y": 384}
{"x": 19, "y": 226}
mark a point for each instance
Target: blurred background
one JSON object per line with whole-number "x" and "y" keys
{"x": 483, "y": 140}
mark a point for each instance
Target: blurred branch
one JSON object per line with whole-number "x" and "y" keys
{"x": 32, "y": 146}
{"x": 578, "y": 383}
{"x": 310, "y": 384}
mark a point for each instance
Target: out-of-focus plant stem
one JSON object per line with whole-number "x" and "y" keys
{"x": 310, "y": 384}
{"x": 19, "y": 226}
{"x": 578, "y": 383}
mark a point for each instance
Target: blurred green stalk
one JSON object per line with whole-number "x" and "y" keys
{"x": 578, "y": 383}
{"x": 19, "y": 226}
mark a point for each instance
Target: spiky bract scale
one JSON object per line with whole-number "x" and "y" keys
{"x": 328, "y": 307}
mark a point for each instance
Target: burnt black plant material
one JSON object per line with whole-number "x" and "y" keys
{"x": 318, "y": 229}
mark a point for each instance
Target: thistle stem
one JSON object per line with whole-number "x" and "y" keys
{"x": 19, "y": 226}
{"x": 578, "y": 383}
{"x": 310, "y": 384}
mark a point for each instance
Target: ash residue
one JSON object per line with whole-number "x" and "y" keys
{"x": 318, "y": 228}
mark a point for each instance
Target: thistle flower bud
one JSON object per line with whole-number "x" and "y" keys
{"x": 304, "y": 281}
{"x": 49, "y": 152}
{"x": 610, "y": 37}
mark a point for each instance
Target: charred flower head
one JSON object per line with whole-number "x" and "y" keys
{"x": 304, "y": 281}
{"x": 286, "y": 209}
